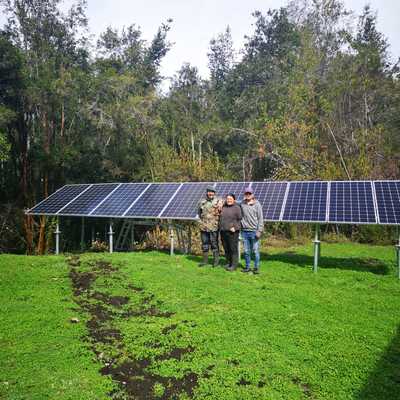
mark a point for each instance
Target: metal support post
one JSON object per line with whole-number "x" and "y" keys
{"x": 132, "y": 235}
{"x": 189, "y": 239}
{"x": 398, "y": 256}
{"x": 171, "y": 237}
{"x": 83, "y": 234}
{"x": 110, "y": 237}
{"x": 317, "y": 250}
{"x": 57, "y": 232}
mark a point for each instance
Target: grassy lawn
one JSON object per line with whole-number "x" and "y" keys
{"x": 154, "y": 326}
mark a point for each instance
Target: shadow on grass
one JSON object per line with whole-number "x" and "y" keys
{"x": 366, "y": 264}
{"x": 384, "y": 381}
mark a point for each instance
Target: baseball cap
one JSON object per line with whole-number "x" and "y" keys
{"x": 248, "y": 190}
{"x": 210, "y": 189}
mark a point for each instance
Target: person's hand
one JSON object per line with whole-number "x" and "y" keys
{"x": 258, "y": 234}
{"x": 232, "y": 229}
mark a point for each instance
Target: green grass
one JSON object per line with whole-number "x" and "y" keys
{"x": 42, "y": 355}
{"x": 202, "y": 333}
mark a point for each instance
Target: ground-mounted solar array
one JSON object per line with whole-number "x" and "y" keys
{"x": 185, "y": 202}
{"x": 236, "y": 188}
{"x": 88, "y": 200}
{"x": 351, "y": 202}
{"x": 120, "y": 200}
{"x": 154, "y": 200}
{"x": 271, "y": 196}
{"x": 306, "y": 202}
{"x": 58, "y": 199}
{"x": 388, "y": 201}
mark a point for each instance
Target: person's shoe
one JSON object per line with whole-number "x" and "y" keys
{"x": 256, "y": 271}
{"x": 204, "y": 261}
{"x": 231, "y": 268}
{"x": 215, "y": 259}
{"x": 246, "y": 270}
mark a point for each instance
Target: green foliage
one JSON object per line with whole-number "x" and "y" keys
{"x": 374, "y": 234}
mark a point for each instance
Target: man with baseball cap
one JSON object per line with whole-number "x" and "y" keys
{"x": 209, "y": 210}
{"x": 252, "y": 228}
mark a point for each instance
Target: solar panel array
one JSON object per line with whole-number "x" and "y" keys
{"x": 120, "y": 199}
{"x": 88, "y": 199}
{"x": 351, "y": 202}
{"x": 306, "y": 202}
{"x": 271, "y": 196}
{"x": 184, "y": 204}
{"x": 58, "y": 199}
{"x": 153, "y": 201}
{"x": 388, "y": 201}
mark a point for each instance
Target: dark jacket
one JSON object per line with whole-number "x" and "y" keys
{"x": 230, "y": 217}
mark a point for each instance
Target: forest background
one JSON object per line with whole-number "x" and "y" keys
{"x": 313, "y": 96}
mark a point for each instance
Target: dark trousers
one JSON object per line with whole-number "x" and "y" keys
{"x": 230, "y": 242}
{"x": 209, "y": 239}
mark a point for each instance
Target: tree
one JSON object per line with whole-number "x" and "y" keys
{"x": 220, "y": 57}
{"x": 51, "y": 47}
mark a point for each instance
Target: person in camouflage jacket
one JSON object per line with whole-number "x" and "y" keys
{"x": 209, "y": 210}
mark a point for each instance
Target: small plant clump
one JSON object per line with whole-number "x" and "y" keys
{"x": 99, "y": 246}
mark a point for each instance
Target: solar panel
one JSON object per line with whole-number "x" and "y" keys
{"x": 306, "y": 202}
{"x": 354, "y": 202}
{"x": 120, "y": 200}
{"x": 58, "y": 199}
{"x": 184, "y": 204}
{"x": 237, "y": 188}
{"x": 271, "y": 196}
{"x": 88, "y": 200}
{"x": 388, "y": 201}
{"x": 351, "y": 202}
{"x": 153, "y": 200}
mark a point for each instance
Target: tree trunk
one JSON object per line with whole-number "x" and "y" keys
{"x": 28, "y": 228}
{"x": 41, "y": 247}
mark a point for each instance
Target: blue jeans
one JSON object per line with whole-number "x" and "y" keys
{"x": 251, "y": 244}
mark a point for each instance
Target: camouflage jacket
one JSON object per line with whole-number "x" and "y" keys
{"x": 209, "y": 211}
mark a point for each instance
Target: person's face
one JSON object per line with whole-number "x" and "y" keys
{"x": 210, "y": 195}
{"x": 229, "y": 200}
{"x": 248, "y": 196}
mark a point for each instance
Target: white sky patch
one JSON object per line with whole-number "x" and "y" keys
{"x": 196, "y": 22}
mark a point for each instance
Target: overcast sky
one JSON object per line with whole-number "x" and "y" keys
{"x": 196, "y": 22}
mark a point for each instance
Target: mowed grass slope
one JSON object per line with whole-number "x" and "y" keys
{"x": 161, "y": 327}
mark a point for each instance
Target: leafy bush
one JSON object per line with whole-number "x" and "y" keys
{"x": 99, "y": 246}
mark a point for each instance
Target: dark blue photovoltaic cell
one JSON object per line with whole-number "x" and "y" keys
{"x": 388, "y": 201}
{"x": 351, "y": 202}
{"x": 237, "y": 188}
{"x": 120, "y": 200}
{"x": 184, "y": 204}
{"x": 88, "y": 200}
{"x": 306, "y": 201}
{"x": 153, "y": 200}
{"x": 58, "y": 199}
{"x": 270, "y": 195}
